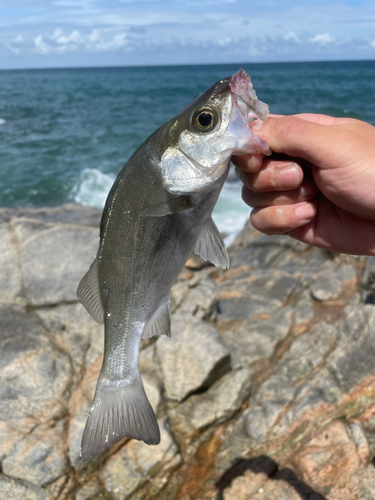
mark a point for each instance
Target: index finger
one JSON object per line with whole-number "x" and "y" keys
{"x": 303, "y": 138}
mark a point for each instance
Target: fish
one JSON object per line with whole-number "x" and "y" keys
{"x": 157, "y": 211}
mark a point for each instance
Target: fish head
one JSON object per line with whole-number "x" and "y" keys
{"x": 203, "y": 136}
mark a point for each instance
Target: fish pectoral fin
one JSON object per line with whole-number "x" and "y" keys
{"x": 119, "y": 410}
{"x": 210, "y": 245}
{"x": 89, "y": 294}
{"x": 179, "y": 204}
{"x": 160, "y": 322}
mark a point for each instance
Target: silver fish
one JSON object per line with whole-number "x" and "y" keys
{"x": 158, "y": 210}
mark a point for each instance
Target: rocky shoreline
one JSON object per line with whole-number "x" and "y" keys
{"x": 266, "y": 389}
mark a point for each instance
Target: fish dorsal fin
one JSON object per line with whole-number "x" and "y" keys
{"x": 160, "y": 322}
{"x": 89, "y": 294}
{"x": 210, "y": 245}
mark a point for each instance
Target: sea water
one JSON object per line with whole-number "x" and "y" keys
{"x": 66, "y": 133}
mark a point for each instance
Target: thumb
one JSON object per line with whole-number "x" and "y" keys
{"x": 302, "y": 138}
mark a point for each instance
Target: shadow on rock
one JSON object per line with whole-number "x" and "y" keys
{"x": 265, "y": 465}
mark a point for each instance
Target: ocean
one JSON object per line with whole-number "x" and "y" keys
{"x": 66, "y": 133}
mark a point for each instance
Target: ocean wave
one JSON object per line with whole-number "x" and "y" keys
{"x": 92, "y": 188}
{"x": 2, "y": 121}
{"x": 231, "y": 213}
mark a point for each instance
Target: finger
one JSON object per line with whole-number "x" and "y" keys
{"x": 273, "y": 176}
{"x": 282, "y": 219}
{"x": 322, "y": 119}
{"x": 306, "y": 192}
{"x": 248, "y": 163}
{"x": 298, "y": 137}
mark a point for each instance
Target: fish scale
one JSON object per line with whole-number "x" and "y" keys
{"x": 157, "y": 211}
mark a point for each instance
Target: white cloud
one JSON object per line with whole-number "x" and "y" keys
{"x": 322, "y": 39}
{"x": 291, "y": 36}
{"x": 59, "y": 43}
{"x": 113, "y": 31}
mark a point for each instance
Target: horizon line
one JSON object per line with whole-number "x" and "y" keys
{"x": 187, "y": 64}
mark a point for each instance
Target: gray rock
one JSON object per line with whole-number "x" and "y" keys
{"x": 307, "y": 352}
{"x": 353, "y": 359}
{"x": 11, "y": 489}
{"x": 125, "y": 471}
{"x": 34, "y": 375}
{"x": 330, "y": 286}
{"x": 38, "y": 458}
{"x": 10, "y": 276}
{"x": 193, "y": 358}
{"x": 198, "y": 300}
{"x": 53, "y": 259}
{"x": 236, "y": 305}
{"x": 254, "y": 340}
{"x": 276, "y": 394}
{"x": 77, "y": 424}
{"x": 304, "y": 308}
{"x": 217, "y": 404}
{"x": 92, "y": 490}
{"x": 72, "y": 328}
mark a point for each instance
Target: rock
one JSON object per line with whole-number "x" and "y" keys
{"x": 330, "y": 451}
{"x": 254, "y": 340}
{"x": 353, "y": 359}
{"x": 77, "y": 424}
{"x": 10, "y": 276}
{"x": 92, "y": 490}
{"x": 293, "y": 363}
{"x": 54, "y": 258}
{"x": 330, "y": 286}
{"x": 249, "y": 486}
{"x": 217, "y": 404}
{"x": 37, "y": 458}
{"x": 255, "y": 293}
{"x": 193, "y": 358}
{"x": 14, "y": 490}
{"x": 35, "y": 376}
{"x": 136, "y": 462}
{"x": 198, "y": 299}
{"x": 73, "y": 330}
{"x": 279, "y": 390}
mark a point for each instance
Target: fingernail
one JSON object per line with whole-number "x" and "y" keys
{"x": 288, "y": 177}
{"x": 306, "y": 211}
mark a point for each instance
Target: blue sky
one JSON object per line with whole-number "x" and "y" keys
{"x": 60, "y": 33}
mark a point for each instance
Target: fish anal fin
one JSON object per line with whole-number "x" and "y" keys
{"x": 160, "y": 322}
{"x": 88, "y": 293}
{"x": 118, "y": 411}
{"x": 210, "y": 245}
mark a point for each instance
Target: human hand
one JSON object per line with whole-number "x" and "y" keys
{"x": 321, "y": 191}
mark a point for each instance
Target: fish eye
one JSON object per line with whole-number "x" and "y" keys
{"x": 204, "y": 119}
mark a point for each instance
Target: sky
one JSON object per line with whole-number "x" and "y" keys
{"x": 71, "y": 33}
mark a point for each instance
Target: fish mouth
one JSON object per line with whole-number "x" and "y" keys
{"x": 247, "y": 115}
{"x": 245, "y": 98}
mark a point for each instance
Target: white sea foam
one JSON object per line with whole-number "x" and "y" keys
{"x": 2, "y": 121}
{"x": 92, "y": 188}
{"x": 230, "y": 213}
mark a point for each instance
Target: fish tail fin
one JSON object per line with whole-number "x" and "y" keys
{"x": 118, "y": 411}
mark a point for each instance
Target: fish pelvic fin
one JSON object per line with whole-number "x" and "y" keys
{"x": 210, "y": 245}
{"x": 160, "y": 322}
{"x": 117, "y": 412}
{"x": 88, "y": 293}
